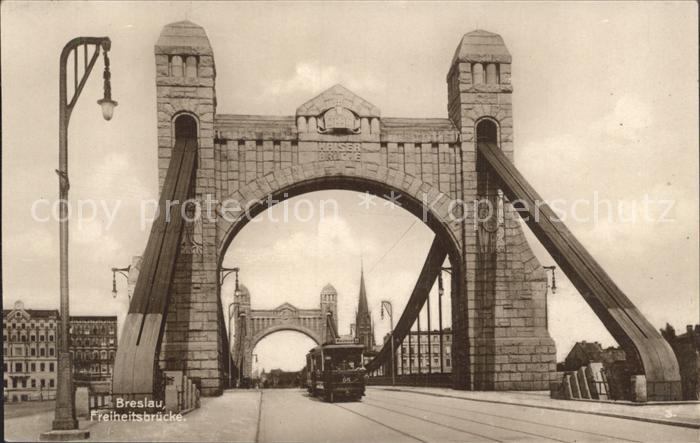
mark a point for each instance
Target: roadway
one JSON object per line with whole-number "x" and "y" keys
{"x": 383, "y": 415}
{"x": 392, "y": 416}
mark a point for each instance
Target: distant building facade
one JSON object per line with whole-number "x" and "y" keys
{"x": 30, "y": 351}
{"x": 410, "y": 361}
{"x": 278, "y": 378}
{"x": 93, "y": 345}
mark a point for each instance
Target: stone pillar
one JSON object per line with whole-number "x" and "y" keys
{"x": 192, "y": 341}
{"x": 499, "y": 316}
{"x": 173, "y": 391}
{"x": 82, "y": 401}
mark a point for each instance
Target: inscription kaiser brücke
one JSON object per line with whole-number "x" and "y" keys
{"x": 339, "y": 151}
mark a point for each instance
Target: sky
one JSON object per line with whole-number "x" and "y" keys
{"x": 605, "y": 109}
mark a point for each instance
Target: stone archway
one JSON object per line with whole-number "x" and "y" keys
{"x": 248, "y": 357}
{"x": 252, "y": 325}
{"x": 422, "y": 199}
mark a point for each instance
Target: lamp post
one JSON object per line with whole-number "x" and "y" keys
{"x": 230, "y": 365}
{"x": 554, "y": 291}
{"x": 386, "y": 306}
{"x": 65, "y": 424}
{"x": 241, "y": 321}
{"x": 441, "y": 292}
{"x": 225, "y": 272}
{"x": 554, "y": 278}
{"x": 123, "y": 272}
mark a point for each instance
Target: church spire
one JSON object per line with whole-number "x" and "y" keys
{"x": 363, "y": 306}
{"x": 363, "y": 318}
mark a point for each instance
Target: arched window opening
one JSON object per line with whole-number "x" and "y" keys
{"x": 477, "y": 73}
{"x": 176, "y": 66}
{"x": 191, "y": 66}
{"x": 185, "y": 127}
{"x": 486, "y": 132}
{"x": 492, "y": 74}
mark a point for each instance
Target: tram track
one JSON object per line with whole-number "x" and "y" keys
{"x": 398, "y": 431}
{"x": 293, "y": 416}
{"x": 257, "y": 428}
{"x": 462, "y": 430}
{"x": 498, "y": 416}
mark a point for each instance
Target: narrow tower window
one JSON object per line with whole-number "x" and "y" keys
{"x": 486, "y": 131}
{"x": 176, "y": 66}
{"x": 185, "y": 127}
{"x": 477, "y": 74}
{"x": 191, "y": 66}
{"x": 492, "y": 74}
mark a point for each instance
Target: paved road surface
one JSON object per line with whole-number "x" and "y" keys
{"x": 388, "y": 416}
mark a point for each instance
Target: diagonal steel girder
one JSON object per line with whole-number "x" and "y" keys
{"x": 426, "y": 279}
{"x": 642, "y": 342}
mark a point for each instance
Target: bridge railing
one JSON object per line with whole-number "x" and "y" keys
{"x": 422, "y": 353}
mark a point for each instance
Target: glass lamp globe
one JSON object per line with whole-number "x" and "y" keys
{"x": 108, "y": 106}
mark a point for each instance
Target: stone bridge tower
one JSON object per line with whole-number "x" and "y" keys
{"x": 502, "y": 315}
{"x": 186, "y": 87}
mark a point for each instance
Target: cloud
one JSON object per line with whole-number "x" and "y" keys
{"x": 627, "y": 122}
{"x": 313, "y": 77}
{"x": 333, "y": 237}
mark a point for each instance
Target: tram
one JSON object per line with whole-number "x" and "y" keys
{"x": 335, "y": 371}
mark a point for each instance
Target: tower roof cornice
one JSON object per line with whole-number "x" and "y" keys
{"x": 481, "y": 46}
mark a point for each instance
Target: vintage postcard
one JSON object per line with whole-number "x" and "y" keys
{"x": 350, "y": 221}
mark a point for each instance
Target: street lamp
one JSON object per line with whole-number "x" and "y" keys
{"x": 554, "y": 278}
{"x": 124, "y": 272}
{"x": 241, "y": 321}
{"x": 225, "y": 272}
{"x": 65, "y": 424}
{"x": 554, "y": 291}
{"x": 386, "y": 306}
{"x": 106, "y": 103}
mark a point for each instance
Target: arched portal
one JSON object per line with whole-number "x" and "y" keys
{"x": 244, "y": 359}
{"x": 249, "y": 325}
{"x": 441, "y": 214}
{"x": 279, "y": 328}
{"x": 419, "y": 199}
{"x": 279, "y": 358}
